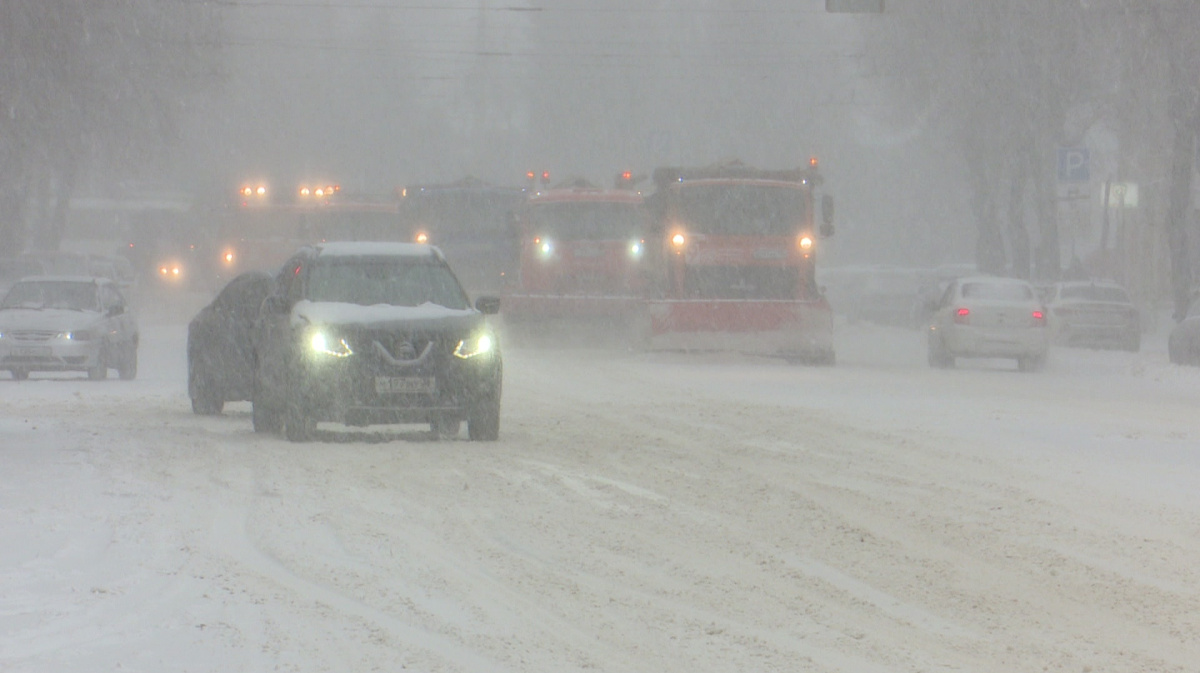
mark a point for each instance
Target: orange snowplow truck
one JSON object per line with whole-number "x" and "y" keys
{"x": 737, "y": 249}
{"x": 583, "y": 253}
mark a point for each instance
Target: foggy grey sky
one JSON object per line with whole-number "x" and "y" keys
{"x": 401, "y": 91}
{"x": 378, "y": 93}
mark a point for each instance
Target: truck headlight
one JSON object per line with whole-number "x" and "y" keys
{"x": 475, "y": 346}
{"x": 323, "y": 343}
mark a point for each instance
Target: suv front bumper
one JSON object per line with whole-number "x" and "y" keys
{"x": 365, "y": 391}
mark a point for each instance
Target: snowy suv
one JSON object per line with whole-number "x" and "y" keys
{"x": 374, "y": 333}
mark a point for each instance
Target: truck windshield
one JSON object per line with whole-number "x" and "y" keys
{"x": 742, "y": 210}
{"x": 587, "y": 221}
{"x": 396, "y": 282}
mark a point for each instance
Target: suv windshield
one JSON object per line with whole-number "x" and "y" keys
{"x": 393, "y": 281}
{"x": 590, "y": 221}
{"x": 742, "y": 210}
{"x": 52, "y": 294}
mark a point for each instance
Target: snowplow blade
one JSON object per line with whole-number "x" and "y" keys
{"x": 795, "y": 330}
{"x": 537, "y": 308}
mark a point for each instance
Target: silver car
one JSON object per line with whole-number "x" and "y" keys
{"x": 1183, "y": 346}
{"x": 988, "y": 317}
{"x": 1093, "y": 314}
{"x": 67, "y": 323}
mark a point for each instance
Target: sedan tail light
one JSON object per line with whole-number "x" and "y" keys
{"x": 1039, "y": 319}
{"x": 962, "y": 316}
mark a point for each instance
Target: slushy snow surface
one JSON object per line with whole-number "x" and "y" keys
{"x": 652, "y": 512}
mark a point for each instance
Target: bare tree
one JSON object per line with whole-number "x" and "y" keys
{"x": 89, "y": 86}
{"x": 1001, "y": 79}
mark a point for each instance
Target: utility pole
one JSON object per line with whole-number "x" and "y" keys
{"x": 1184, "y": 110}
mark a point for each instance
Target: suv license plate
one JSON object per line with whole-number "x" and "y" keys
{"x": 390, "y": 385}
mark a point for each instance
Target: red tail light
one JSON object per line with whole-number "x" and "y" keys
{"x": 962, "y": 316}
{"x": 1039, "y": 318}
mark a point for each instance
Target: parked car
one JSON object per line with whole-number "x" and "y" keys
{"x": 67, "y": 323}
{"x": 1183, "y": 346}
{"x": 932, "y": 286}
{"x": 989, "y": 317}
{"x": 1093, "y": 314}
{"x": 375, "y": 333}
{"x": 220, "y": 354}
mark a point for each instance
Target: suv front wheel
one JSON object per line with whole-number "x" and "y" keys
{"x": 483, "y": 421}
{"x": 298, "y": 426}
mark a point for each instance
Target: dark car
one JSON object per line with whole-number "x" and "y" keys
{"x": 219, "y": 349}
{"x": 1183, "y": 346}
{"x": 375, "y": 333}
{"x": 1093, "y": 314}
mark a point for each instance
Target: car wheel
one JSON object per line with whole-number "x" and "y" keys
{"x": 20, "y": 374}
{"x": 1134, "y": 343}
{"x": 205, "y": 399}
{"x": 207, "y": 404}
{"x": 822, "y": 359}
{"x": 1175, "y": 352}
{"x": 939, "y": 357}
{"x": 100, "y": 371}
{"x": 298, "y": 426}
{"x": 127, "y": 369}
{"x": 483, "y": 422}
{"x": 444, "y": 427}
{"x": 264, "y": 418}
{"x": 1032, "y": 363}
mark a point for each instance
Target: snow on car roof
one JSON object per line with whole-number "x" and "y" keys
{"x": 996, "y": 280}
{"x": 65, "y": 279}
{"x": 376, "y": 248}
{"x": 329, "y": 312}
{"x": 1090, "y": 283}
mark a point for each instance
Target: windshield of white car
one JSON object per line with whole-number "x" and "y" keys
{"x": 78, "y": 296}
{"x": 1094, "y": 293}
{"x": 997, "y": 291}
{"x": 392, "y": 281}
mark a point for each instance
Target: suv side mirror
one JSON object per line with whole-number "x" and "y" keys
{"x": 275, "y": 304}
{"x": 488, "y": 305}
{"x": 116, "y": 310}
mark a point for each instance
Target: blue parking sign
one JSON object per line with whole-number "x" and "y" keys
{"x": 1073, "y": 164}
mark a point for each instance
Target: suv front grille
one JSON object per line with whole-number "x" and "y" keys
{"x": 33, "y": 335}
{"x": 400, "y": 346}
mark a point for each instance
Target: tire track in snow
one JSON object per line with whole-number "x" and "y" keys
{"x": 229, "y": 525}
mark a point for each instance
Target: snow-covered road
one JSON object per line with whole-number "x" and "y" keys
{"x": 642, "y": 512}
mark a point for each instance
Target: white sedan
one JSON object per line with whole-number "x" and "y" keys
{"x": 989, "y": 317}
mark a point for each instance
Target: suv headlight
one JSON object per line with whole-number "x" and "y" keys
{"x": 323, "y": 343}
{"x": 77, "y": 335}
{"x": 475, "y": 346}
